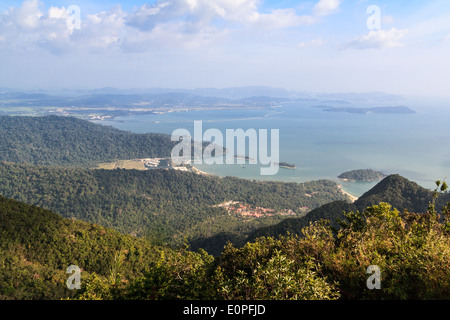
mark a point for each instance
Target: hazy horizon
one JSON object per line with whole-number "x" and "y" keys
{"x": 322, "y": 46}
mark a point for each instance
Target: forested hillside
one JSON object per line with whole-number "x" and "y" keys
{"x": 141, "y": 234}
{"x": 394, "y": 189}
{"x": 162, "y": 205}
{"x": 68, "y": 141}
{"x": 37, "y": 246}
{"x": 362, "y": 175}
{"x": 411, "y": 251}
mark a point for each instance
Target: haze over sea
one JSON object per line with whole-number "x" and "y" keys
{"x": 324, "y": 144}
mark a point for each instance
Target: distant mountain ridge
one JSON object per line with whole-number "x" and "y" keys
{"x": 227, "y": 92}
{"x": 112, "y": 102}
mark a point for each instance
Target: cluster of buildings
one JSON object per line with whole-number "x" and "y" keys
{"x": 151, "y": 163}
{"x": 258, "y": 212}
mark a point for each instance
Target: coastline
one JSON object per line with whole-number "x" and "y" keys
{"x": 198, "y": 171}
{"x": 141, "y": 164}
{"x": 351, "y": 197}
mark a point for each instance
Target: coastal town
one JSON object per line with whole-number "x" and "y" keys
{"x": 246, "y": 210}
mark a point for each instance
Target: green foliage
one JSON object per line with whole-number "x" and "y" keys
{"x": 412, "y": 251}
{"x": 399, "y": 192}
{"x": 182, "y": 275}
{"x": 322, "y": 260}
{"x": 95, "y": 287}
{"x": 332, "y": 212}
{"x": 264, "y": 271}
{"x": 37, "y": 246}
{"x": 440, "y": 186}
{"x": 163, "y": 205}
{"x": 68, "y": 141}
{"x": 395, "y": 190}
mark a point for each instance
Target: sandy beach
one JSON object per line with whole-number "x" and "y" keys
{"x": 351, "y": 197}
{"x": 198, "y": 171}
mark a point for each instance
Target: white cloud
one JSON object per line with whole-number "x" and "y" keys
{"x": 27, "y": 27}
{"x": 28, "y": 15}
{"x": 326, "y": 7}
{"x": 277, "y": 19}
{"x": 378, "y": 39}
{"x": 198, "y": 15}
{"x": 179, "y": 23}
{"x": 57, "y": 13}
{"x": 147, "y": 16}
{"x": 101, "y": 31}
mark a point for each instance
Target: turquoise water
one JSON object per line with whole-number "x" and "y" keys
{"x": 325, "y": 144}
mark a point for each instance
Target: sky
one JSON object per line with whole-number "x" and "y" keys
{"x": 398, "y": 47}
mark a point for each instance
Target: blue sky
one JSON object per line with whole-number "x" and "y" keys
{"x": 316, "y": 45}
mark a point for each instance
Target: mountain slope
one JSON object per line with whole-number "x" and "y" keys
{"x": 37, "y": 246}
{"x": 166, "y": 205}
{"x": 68, "y": 141}
{"x": 398, "y": 191}
{"x": 401, "y": 193}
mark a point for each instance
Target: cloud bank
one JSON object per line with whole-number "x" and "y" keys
{"x": 378, "y": 39}
{"x": 177, "y": 23}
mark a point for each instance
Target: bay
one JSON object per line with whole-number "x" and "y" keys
{"x": 324, "y": 144}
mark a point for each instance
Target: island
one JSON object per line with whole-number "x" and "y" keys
{"x": 362, "y": 175}
{"x": 287, "y": 165}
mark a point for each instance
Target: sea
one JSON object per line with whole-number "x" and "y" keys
{"x": 324, "y": 144}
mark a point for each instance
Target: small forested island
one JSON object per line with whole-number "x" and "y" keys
{"x": 287, "y": 165}
{"x": 362, "y": 175}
